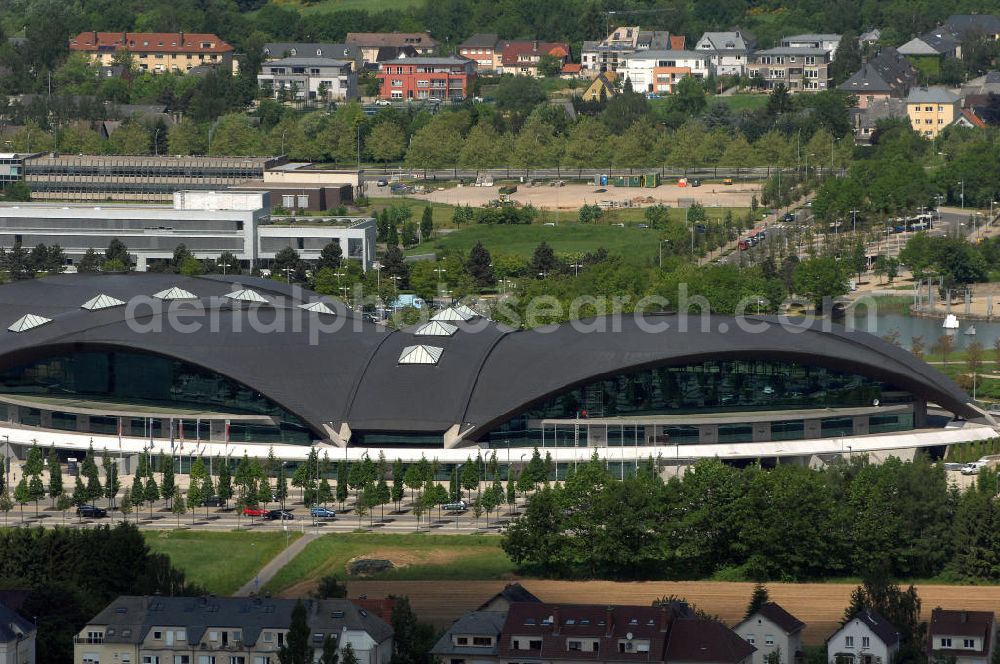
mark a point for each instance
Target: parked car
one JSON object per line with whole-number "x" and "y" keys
{"x": 254, "y": 511}
{"x": 282, "y": 515}
{"x": 91, "y": 511}
{"x": 974, "y": 467}
{"x": 383, "y": 102}
{"x": 382, "y": 182}
{"x": 322, "y": 513}
{"x": 695, "y": 183}
{"x": 212, "y": 501}
{"x": 455, "y": 507}
{"x": 789, "y": 217}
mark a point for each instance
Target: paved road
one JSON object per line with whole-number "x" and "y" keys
{"x": 268, "y": 571}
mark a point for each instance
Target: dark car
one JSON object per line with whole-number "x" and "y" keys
{"x": 322, "y": 512}
{"x": 283, "y": 515}
{"x": 789, "y": 216}
{"x": 212, "y": 501}
{"x": 91, "y": 511}
{"x": 695, "y": 183}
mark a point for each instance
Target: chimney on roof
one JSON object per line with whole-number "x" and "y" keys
{"x": 609, "y": 619}
{"x": 534, "y": 45}
{"x": 555, "y": 620}
{"x": 965, "y": 616}
{"x": 664, "y": 618}
{"x": 95, "y": 37}
{"x": 180, "y": 40}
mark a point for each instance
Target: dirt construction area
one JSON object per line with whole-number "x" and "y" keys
{"x": 819, "y": 605}
{"x": 574, "y": 196}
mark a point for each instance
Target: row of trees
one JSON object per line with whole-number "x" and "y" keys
{"x": 789, "y": 523}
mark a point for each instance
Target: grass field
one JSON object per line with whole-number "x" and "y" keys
{"x": 637, "y": 245}
{"x": 743, "y": 101}
{"x": 219, "y": 562}
{"x": 417, "y": 556}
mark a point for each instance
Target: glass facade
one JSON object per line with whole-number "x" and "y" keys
{"x": 714, "y": 386}
{"x": 147, "y": 380}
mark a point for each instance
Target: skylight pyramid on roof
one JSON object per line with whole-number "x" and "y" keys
{"x": 101, "y": 301}
{"x": 29, "y": 321}
{"x": 175, "y": 293}
{"x": 420, "y": 354}
{"x": 451, "y": 314}
{"x": 247, "y": 295}
{"x": 468, "y": 311}
{"x": 436, "y": 328}
{"x": 318, "y": 307}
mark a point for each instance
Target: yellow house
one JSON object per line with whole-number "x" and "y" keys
{"x": 931, "y": 109}
{"x": 606, "y": 82}
{"x": 156, "y": 52}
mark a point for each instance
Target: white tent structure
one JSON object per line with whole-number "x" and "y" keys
{"x": 420, "y": 354}
{"x": 318, "y": 307}
{"x": 467, "y": 311}
{"x": 175, "y": 293}
{"x": 435, "y": 328}
{"x": 31, "y": 321}
{"x": 101, "y": 301}
{"x": 247, "y": 295}
{"x": 451, "y": 314}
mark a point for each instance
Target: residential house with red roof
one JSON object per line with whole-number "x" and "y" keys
{"x": 156, "y": 52}
{"x": 962, "y": 637}
{"x": 521, "y": 58}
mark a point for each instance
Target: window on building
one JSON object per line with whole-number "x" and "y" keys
{"x": 574, "y": 645}
{"x": 515, "y": 644}
{"x": 945, "y": 643}
{"x": 206, "y": 659}
{"x": 968, "y": 643}
{"x": 848, "y": 641}
{"x": 751, "y": 639}
{"x": 182, "y": 659}
{"x": 91, "y": 658}
{"x": 150, "y": 659}
{"x": 303, "y": 201}
{"x": 464, "y": 641}
{"x": 288, "y": 201}
{"x": 535, "y": 645}
{"x": 157, "y": 635}
{"x": 866, "y": 642}
{"x": 482, "y": 641}
{"x": 237, "y": 659}
{"x": 769, "y": 639}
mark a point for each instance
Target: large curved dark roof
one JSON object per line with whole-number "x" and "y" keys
{"x": 351, "y": 376}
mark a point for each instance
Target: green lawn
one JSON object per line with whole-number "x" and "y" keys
{"x": 420, "y": 556}
{"x": 636, "y": 244}
{"x": 743, "y": 101}
{"x": 219, "y": 562}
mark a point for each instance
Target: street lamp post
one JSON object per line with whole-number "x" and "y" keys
{"x": 661, "y": 251}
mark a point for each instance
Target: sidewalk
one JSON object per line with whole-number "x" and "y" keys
{"x": 268, "y": 571}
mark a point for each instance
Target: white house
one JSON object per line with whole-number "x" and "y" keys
{"x": 656, "y": 72}
{"x": 17, "y": 638}
{"x": 827, "y": 42}
{"x": 867, "y": 638}
{"x": 302, "y": 79}
{"x": 771, "y": 630}
{"x": 728, "y": 52}
{"x": 966, "y": 636}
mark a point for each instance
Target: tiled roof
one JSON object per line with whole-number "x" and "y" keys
{"x": 512, "y": 592}
{"x": 671, "y": 632}
{"x": 311, "y": 50}
{"x": 513, "y": 50}
{"x": 161, "y": 42}
{"x": 781, "y": 618}
{"x": 481, "y": 40}
{"x": 374, "y": 39}
{"x": 931, "y": 95}
{"x": 128, "y": 619}
{"x": 946, "y": 622}
{"x": 881, "y": 627}
{"x": 13, "y": 625}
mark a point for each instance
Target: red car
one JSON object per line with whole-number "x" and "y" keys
{"x": 254, "y": 511}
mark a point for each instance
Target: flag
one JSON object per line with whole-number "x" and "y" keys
{"x": 227, "y": 437}
{"x": 119, "y": 433}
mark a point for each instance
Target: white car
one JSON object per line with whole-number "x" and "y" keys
{"x": 973, "y": 468}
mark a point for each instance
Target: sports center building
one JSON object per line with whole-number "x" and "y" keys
{"x": 216, "y": 365}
